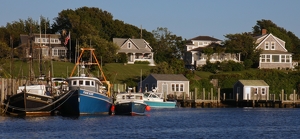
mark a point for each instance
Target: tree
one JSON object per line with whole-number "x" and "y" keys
{"x": 95, "y": 25}
{"x": 242, "y": 43}
{"x": 168, "y": 46}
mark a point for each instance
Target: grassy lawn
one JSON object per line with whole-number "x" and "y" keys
{"x": 118, "y": 72}
{"x": 114, "y": 72}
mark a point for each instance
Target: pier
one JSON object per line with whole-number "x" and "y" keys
{"x": 220, "y": 100}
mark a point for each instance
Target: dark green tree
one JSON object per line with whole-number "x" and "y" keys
{"x": 244, "y": 44}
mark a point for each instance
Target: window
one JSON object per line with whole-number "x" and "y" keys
{"x": 205, "y": 43}
{"x": 181, "y": 87}
{"x": 92, "y": 83}
{"x": 272, "y": 45}
{"x": 200, "y": 43}
{"x": 54, "y": 52}
{"x": 255, "y": 90}
{"x": 173, "y": 87}
{"x": 129, "y": 45}
{"x": 266, "y": 45}
{"x": 282, "y": 58}
{"x": 80, "y": 82}
{"x": 87, "y": 83}
{"x": 61, "y": 52}
{"x": 263, "y": 91}
{"x": 177, "y": 87}
{"x": 275, "y": 58}
{"x": 74, "y": 83}
{"x": 268, "y": 58}
{"x": 287, "y": 59}
{"x": 263, "y": 58}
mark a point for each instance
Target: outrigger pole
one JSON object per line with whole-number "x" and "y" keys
{"x": 91, "y": 63}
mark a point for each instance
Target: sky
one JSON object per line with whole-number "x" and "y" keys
{"x": 185, "y": 18}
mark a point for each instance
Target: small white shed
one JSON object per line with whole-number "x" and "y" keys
{"x": 251, "y": 90}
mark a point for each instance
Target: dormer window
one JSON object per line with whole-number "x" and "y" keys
{"x": 272, "y": 45}
{"x": 267, "y": 45}
{"x": 129, "y": 45}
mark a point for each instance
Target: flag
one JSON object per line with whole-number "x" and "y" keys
{"x": 67, "y": 39}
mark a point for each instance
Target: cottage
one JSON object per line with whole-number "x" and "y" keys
{"x": 251, "y": 90}
{"x": 135, "y": 50}
{"x": 165, "y": 83}
{"x": 274, "y": 55}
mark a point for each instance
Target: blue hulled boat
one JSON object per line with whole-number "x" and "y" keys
{"x": 86, "y": 95}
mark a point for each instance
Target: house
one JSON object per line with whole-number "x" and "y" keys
{"x": 165, "y": 83}
{"x": 195, "y": 56}
{"x": 251, "y": 90}
{"x": 274, "y": 55}
{"x": 45, "y": 45}
{"x": 135, "y": 49}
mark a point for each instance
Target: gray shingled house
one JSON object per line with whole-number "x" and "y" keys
{"x": 274, "y": 55}
{"x": 135, "y": 49}
{"x": 168, "y": 83}
{"x": 251, "y": 90}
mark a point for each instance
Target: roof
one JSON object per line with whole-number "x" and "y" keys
{"x": 204, "y": 38}
{"x": 142, "y": 45}
{"x": 253, "y": 82}
{"x": 169, "y": 77}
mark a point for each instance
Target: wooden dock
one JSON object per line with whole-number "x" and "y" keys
{"x": 220, "y": 102}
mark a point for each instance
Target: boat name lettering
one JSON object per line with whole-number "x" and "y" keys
{"x": 33, "y": 97}
{"x": 88, "y": 93}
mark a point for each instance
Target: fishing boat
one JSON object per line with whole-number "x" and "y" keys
{"x": 31, "y": 100}
{"x": 86, "y": 94}
{"x": 130, "y": 104}
{"x": 155, "y": 100}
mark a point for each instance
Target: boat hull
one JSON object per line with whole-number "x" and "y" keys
{"x": 155, "y": 104}
{"x": 82, "y": 102}
{"x": 27, "y": 104}
{"x": 130, "y": 108}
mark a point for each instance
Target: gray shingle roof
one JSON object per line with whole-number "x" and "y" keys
{"x": 169, "y": 77}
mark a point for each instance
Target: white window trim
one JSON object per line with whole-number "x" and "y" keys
{"x": 267, "y": 45}
{"x": 273, "y": 48}
{"x": 261, "y": 90}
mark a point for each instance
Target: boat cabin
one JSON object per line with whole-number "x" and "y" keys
{"x": 129, "y": 97}
{"x": 87, "y": 83}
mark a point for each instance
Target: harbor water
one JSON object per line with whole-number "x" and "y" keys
{"x": 178, "y": 123}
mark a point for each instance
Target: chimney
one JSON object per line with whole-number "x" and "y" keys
{"x": 263, "y": 31}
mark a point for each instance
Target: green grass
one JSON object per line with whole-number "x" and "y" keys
{"x": 114, "y": 72}
{"x": 118, "y": 72}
